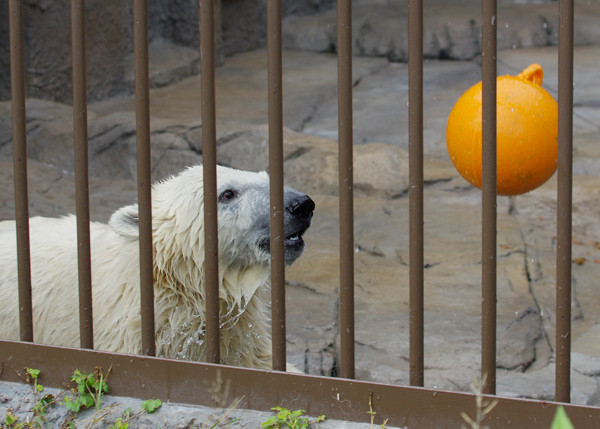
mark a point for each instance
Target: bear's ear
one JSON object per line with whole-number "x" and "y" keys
{"x": 125, "y": 221}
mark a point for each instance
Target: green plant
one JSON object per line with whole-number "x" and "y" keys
{"x": 289, "y": 419}
{"x": 123, "y": 421}
{"x": 151, "y": 405}
{"x": 90, "y": 389}
{"x": 10, "y": 418}
{"x": 561, "y": 420}
{"x": 33, "y": 374}
{"x": 38, "y": 410}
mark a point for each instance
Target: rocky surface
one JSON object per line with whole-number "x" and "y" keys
{"x": 451, "y": 30}
{"x": 173, "y": 25}
{"x": 526, "y": 223}
{"x": 19, "y": 398}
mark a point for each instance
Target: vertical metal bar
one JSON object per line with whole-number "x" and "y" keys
{"x": 275, "y": 88}
{"x": 86, "y": 333}
{"x": 209, "y": 160}
{"x": 142, "y": 109}
{"x": 17, "y": 77}
{"x": 346, "y": 187}
{"x": 564, "y": 201}
{"x": 415, "y": 135}
{"x": 488, "y": 302}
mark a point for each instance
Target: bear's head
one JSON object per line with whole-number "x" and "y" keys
{"x": 243, "y": 219}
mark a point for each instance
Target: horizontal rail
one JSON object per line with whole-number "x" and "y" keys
{"x": 170, "y": 380}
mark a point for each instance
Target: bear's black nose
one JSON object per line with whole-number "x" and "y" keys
{"x": 302, "y": 207}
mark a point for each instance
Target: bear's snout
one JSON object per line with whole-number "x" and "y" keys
{"x": 302, "y": 207}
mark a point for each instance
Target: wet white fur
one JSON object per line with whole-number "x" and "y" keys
{"x": 178, "y": 241}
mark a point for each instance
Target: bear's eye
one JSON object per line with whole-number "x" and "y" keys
{"x": 227, "y": 195}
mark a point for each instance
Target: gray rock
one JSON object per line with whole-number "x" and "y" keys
{"x": 48, "y": 48}
{"x": 517, "y": 341}
{"x": 168, "y": 63}
{"x": 19, "y": 398}
{"x": 540, "y": 385}
{"x": 450, "y": 31}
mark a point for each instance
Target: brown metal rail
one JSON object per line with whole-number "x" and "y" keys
{"x": 488, "y": 203}
{"x": 412, "y": 407}
{"x": 564, "y": 201}
{"x": 17, "y": 76}
{"x": 275, "y": 100}
{"x": 209, "y": 161}
{"x": 82, "y": 201}
{"x": 346, "y": 188}
{"x": 144, "y": 180}
{"x": 415, "y": 193}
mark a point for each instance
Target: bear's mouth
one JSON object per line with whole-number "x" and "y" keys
{"x": 292, "y": 241}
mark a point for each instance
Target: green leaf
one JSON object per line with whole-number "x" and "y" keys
{"x": 33, "y": 372}
{"x": 72, "y": 405}
{"x": 270, "y": 423}
{"x": 119, "y": 424}
{"x": 10, "y": 419}
{"x": 87, "y": 401}
{"x": 100, "y": 386}
{"x": 151, "y": 405}
{"x": 298, "y": 413}
{"x": 47, "y": 399}
{"x": 561, "y": 420}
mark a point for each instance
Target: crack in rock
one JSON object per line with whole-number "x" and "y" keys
{"x": 304, "y": 286}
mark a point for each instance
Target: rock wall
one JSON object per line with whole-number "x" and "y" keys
{"x": 173, "y": 26}
{"x": 452, "y": 30}
{"x": 379, "y": 30}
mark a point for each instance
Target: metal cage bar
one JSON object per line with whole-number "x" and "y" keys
{"x": 564, "y": 201}
{"x": 82, "y": 201}
{"x": 209, "y": 161}
{"x": 415, "y": 138}
{"x": 346, "y": 188}
{"x": 275, "y": 101}
{"x": 488, "y": 203}
{"x": 144, "y": 181}
{"x": 17, "y": 78}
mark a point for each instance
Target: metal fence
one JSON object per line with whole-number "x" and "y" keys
{"x": 342, "y": 398}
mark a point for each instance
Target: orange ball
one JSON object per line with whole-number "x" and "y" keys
{"x": 526, "y": 136}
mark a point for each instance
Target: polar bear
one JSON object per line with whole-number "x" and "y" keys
{"x": 178, "y": 248}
